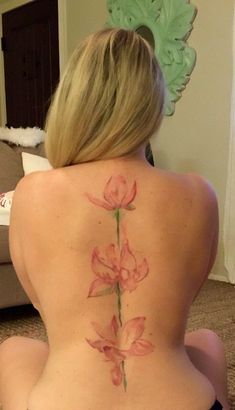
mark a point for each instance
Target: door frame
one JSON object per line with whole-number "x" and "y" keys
{"x": 63, "y": 48}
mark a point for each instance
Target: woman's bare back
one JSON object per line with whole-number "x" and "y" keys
{"x": 116, "y": 251}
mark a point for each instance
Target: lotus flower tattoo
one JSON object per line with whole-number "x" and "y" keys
{"x": 117, "y": 270}
{"x": 116, "y": 195}
{"x": 116, "y": 267}
{"x": 120, "y": 343}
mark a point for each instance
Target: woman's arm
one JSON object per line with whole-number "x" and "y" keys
{"x": 20, "y": 203}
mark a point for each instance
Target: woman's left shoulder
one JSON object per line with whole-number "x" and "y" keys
{"x": 35, "y": 182}
{"x": 31, "y": 191}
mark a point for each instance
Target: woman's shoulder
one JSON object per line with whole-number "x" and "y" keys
{"x": 188, "y": 202}
{"x": 36, "y": 183}
{"x": 176, "y": 188}
{"x": 190, "y": 185}
{"x": 32, "y": 195}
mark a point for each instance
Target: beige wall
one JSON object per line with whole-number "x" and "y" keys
{"x": 196, "y": 138}
{"x": 6, "y": 5}
{"x": 84, "y": 17}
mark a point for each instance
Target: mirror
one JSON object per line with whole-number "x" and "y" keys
{"x": 166, "y": 25}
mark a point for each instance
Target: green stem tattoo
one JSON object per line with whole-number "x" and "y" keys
{"x": 124, "y": 375}
{"x": 118, "y": 291}
{"x": 117, "y": 216}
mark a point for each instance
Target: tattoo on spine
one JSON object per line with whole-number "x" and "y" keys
{"x": 117, "y": 271}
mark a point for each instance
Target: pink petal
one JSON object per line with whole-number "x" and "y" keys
{"x": 127, "y": 277}
{"x": 101, "y": 268}
{"x": 132, "y": 331}
{"x": 99, "y": 202}
{"x": 114, "y": 355}
{"x": 113, "y": 257}
{"x": 130, "y": 273}
{"x": 116, "y": 375}
{"x": 114, "y": 325}
{"x": 140, "y": 348}
{"x": 109, "y": 332}
{"x": 142, "y": 270}
{"x": 98, "y": 344}
{"x": 128, "y": 260}
{"x": 99, "y": 288}
{"x": 115, "y": 191}
{"x": 129, "y": 197}
{"x": 127, "y": 283}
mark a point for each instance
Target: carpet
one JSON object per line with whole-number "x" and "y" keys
{"x": 214, "y": 309}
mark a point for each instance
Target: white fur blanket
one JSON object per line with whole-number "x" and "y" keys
{"x": 26, "y": 137}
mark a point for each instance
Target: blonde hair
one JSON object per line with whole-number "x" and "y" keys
{"x": 108, "y": 102}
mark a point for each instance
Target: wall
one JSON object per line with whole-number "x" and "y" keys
{"x": 6, "y": 5}
{"x": 84, "y": 17}
{"x": 196, "y": 138}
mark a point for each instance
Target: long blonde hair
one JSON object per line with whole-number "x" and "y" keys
{"x": 108, "y": 102}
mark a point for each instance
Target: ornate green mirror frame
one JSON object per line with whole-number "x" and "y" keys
{"x": 166, "y": 25}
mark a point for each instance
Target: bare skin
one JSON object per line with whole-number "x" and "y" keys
{"x": 54, "y": 229}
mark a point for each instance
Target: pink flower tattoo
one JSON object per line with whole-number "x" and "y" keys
{"x": 120, "y": 343}
{"x": 116, "y": 195}
{"x": 117, "y": 270}
{"x": 116, "y": 267}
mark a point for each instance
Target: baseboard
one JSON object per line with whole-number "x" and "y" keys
{"x": 220, "y": 278}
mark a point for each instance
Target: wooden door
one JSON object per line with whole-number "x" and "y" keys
{"x": 31, "y": 61}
